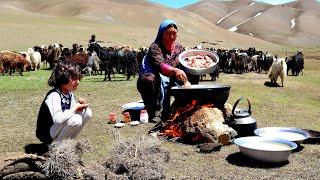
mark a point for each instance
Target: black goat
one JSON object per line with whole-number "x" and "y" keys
{"x": 121, "y": 61}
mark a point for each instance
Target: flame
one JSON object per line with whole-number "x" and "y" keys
{"x": 209, "y": 105}
{"x": 179, "y": 111}
{"x": 193, "y": 102}
{"x": 175, "y": 125}
{"x": 172, "y": 130}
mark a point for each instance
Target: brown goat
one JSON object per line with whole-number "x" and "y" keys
{"x": 81, "y": 59}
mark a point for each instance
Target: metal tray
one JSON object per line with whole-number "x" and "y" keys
{"x": 291, "y": 134}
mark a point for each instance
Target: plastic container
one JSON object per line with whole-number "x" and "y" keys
{"x": 134, "y": 114}
{"x": 144, "y": 117}
{"x": 126, "y": 117}
{"x": 112, "y": 118}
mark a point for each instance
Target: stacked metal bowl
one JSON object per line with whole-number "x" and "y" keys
{"x": 272, "y": 144}
{"x": 194, "y": 70}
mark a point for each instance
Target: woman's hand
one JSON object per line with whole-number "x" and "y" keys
{"x": 180, "y": 75}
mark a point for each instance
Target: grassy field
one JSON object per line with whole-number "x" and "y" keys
{"x": 295, "y": 105}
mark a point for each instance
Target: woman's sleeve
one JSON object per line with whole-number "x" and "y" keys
{"x": 158, "y": 61}
{"x": 167, "y": 69}
{"x": 156, "y": 56}
{"x": 53, "y": 102}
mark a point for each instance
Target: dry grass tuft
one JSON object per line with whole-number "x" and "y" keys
{"x": 138, "y": 158}
{"x": 94, "y": 171}
{"x": 64, "y": 159}
{"x": 134, "y": 158}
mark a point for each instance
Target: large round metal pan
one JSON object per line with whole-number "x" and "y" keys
{"x": 216, "y": 93}
{"x": 199, "y": 87}
{"x": 291, "y": 134}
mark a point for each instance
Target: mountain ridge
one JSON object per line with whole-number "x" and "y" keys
{"x": 122, "y": 22}
{"x": 273, "y": 25}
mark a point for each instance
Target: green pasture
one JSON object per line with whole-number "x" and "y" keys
{"x": 297, "y": 104}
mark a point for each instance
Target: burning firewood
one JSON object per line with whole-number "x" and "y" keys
{"x": 197, "y": 123}
{"x": 210, "y": 121}
{"x": 228, "y": 108}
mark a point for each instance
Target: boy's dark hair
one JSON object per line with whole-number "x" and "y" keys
{"x": 62, "y": 72}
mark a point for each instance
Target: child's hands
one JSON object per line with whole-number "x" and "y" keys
{"x": 81, "y": 105}
{"x": 81, "y": 100}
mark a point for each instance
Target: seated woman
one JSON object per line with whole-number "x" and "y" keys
{"x": 160, "y": 70}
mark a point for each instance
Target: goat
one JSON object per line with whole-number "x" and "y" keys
{"x": 278, "y": 68}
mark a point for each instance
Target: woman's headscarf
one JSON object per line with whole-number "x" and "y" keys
{"x": 163, "y": 26}
{"x": 145, "y": 66}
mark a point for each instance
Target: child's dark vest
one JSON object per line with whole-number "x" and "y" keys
{"x": 44, "y": 122}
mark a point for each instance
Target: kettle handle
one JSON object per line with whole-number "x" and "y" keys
{"x": 237, "y": 102}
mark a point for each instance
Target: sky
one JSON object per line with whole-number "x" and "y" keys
{"x": 175, "y": 3}
{"x": 181, "y": 3}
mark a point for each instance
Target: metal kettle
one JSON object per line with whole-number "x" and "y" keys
{"x": 243, "y": 122}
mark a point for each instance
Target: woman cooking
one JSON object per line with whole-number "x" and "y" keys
{"x": 159, "y": 71}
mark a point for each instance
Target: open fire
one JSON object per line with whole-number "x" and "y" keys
{"x": 197, "y": 119}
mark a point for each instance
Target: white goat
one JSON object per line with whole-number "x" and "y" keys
{"x": 35, "y": 58}
{"x": 278, "y": 68}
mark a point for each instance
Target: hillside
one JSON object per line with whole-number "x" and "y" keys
{"x": 134, "y": 23}
{"x": 291, "y": 24}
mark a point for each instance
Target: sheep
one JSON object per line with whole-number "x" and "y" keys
{"x": 10, "y": 61}
{"x": 56, "y": 45}
{"x": 93, "y": 64}
{"x": 27, "y": 56}
{"x": 278, "y": 68}
{"x": 43, "y": 50}
{"x": 54, "y": 54}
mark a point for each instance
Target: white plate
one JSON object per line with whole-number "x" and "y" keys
{"x": 134, "y": 123}
{"x": 291, "y": 134}
{"x": 133, "y": 106}
{"x": 119, "y": 125}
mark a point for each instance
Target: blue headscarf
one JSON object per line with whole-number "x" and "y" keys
{"x": 145, "y": 65}
{"x": 163, "y": 26}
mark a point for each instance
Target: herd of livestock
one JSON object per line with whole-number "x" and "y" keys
{"x": 126, "y": 60}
